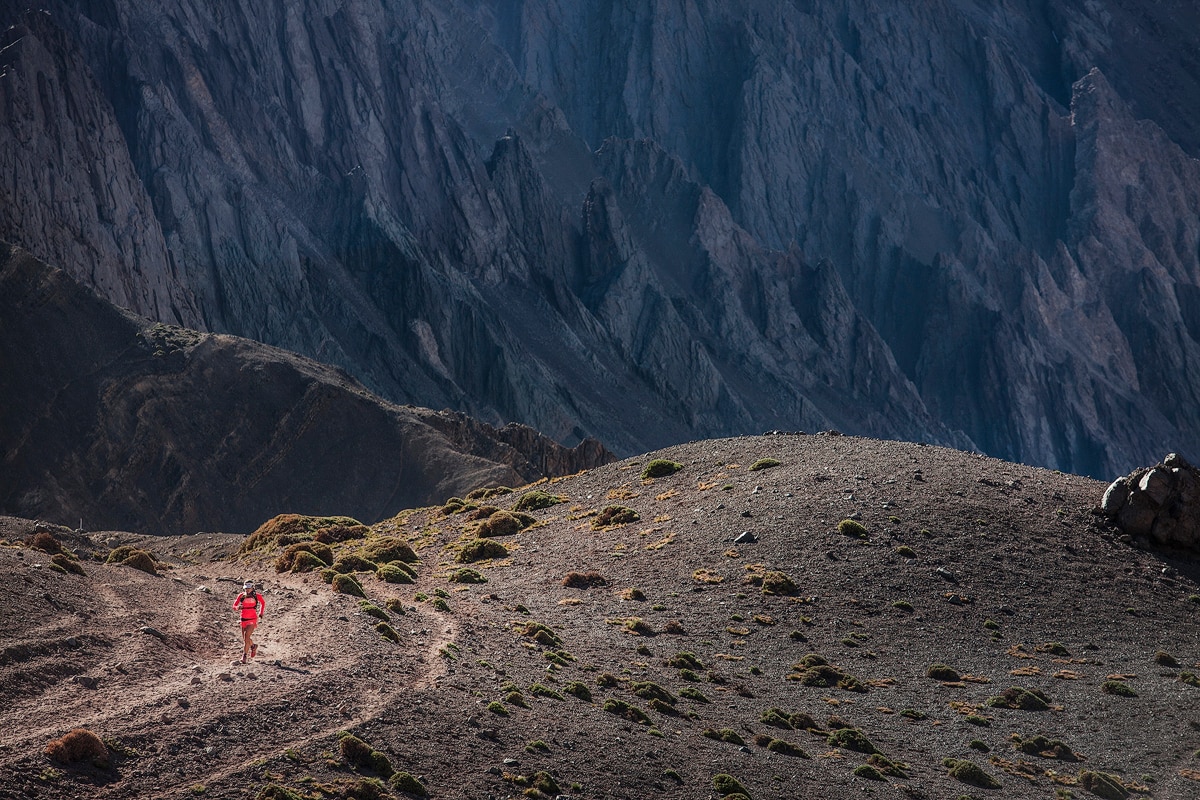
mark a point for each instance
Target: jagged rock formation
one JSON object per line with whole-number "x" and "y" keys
{"x": 1159, "y": 504}
{"x": 650, "y": 223}
{"x": 134, "y": 425}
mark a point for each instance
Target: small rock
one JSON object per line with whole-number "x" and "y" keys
{"x": 182, "y": 702}
{"x": 195, "y": 679}
{"x": 157, "y": 634}
{"x": 946, "y": 574}
{"x": 745, "y": 537}
{"x": 225, "y": 676}
{"x": 85, "y": 681}
{"x": 511, "y": 762}
{"x": 747, "y": 513}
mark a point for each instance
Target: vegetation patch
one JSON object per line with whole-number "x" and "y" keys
{"x": 362, "y": 755}
{"x": 537, "y": 500}
{"x": 969, "y": 772}
{"x": 622, "y": 709}
{"x": 387, "y": 632}
{"x": 391, "y": 573}
{"x": 1165, "y": 659}
{"x": 407, "y": 782}
{"x": 286, "y": 529}
{"x": 614, "y": 515}
{"x": 727, "y": 785}
{"x": 481, "y": 550}
{"x": 648, "y": 690}
{"x": 941, "y": 672}
{"x": 852, "y": 528}
{"x": 906, "y": 551}
{"x": 660, "y": 468}
{"x": 685, "y": 660}
{"x": 1118, "y": 689}
{"x": 786, "y": 748}
{"x": 814, "y": 670}
{"x": 727, "y": 735}
{"x": 77, "y": 745}
{"x": 347, "y": 584}
{"x": 580, "y": 690}
{"x": 1103, "y": 785}
{"x": 694, "y": 694}
{"x": 869, "y": 772}
{"x": 304, "y": 557}
{"x": 372, "y": 610}
{"x": 388, "y": 548}
{"x": 467, "y": 575}
{"x": 851, "y": 739}
{"x": 353, "y": 562}
{"x": 706, "y": 575}
{"x": 137, "y": 558}
{"x": 540, "y": 633}
{"x": 583, "y": 580}
{"x": 1044, "y": 748}
{"x": 778, "y": 583}
{"x": 1021, "y": 698}
{"x": 488, "y": 493}
{"x": 67, "y": 564}
{"x": 538, "y": 690}
{"x": 504, "y": 523}
{"x": 764, "y": 463}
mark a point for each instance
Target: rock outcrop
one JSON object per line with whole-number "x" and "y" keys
{"x": 1159, "y": 504}
{"x": 649, "y": 223}
{"x": 134, "y": 425}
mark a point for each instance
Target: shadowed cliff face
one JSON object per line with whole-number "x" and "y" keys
{"x": 959, "y": 222}
{"x": 126, "y": 423}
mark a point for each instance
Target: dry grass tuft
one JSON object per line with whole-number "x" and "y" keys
{"x": 78, "y": 745}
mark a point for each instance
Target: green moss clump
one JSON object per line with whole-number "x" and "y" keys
{"x": 906, "y": 551}
{"x": 764, "y": 463}
{"x": 538, "y": 690}
{"x": 536, "y": 500}
{"x": 390, "y": 573}
{"x": 685, "y": 659}
{"x": 580, "y": 690}
{"x": 778, "y": 583}
{"x": 286, "y": 529}
{"x": 660, "y": 468}
{"x": 727, "y": 785}
{"x": 141, "y": 560}
{"x": 849, "y": 527}
{"x": 869, "y": 772}
{"x": 372, "y": 610}
{"x": 1190, "y": 679}
{"x": 497, "y": 707}
{"x": 467, "y": 575}
{"x": 304, "y": 557}
{"x": 67, "y": 564}
{"x": 969, "y": 772}
{"x": 361, "y": 754}
{"x": 273, "y": 791}
{"x": 1165, "y": 659}
{"x": 347, "y": 584}
{"x": 1046, "y": 748}
{"x": 1023, "y": 699}
{"x": 544, "y": 782}
{"x": 692, "y": 693}
{"x": 648, "y": 690}
{"x": 903, "y": 605}
{"x": 406, "y": 782}
{"x": 1103, "y": 785}
{"x": 1118, "y": 688}
{"x": 727, "y": 735}
{"x": 622, "y": 709}
{"x": 352, "y": 562}
{"x": 851, "y": 739}
{"x": 785, "y": 748}
{"x": 941, "y": 672}
{"x": 541, "y": 634}
{"x": 776, "y": 718}
{"x": 388, "y": 548}
{"x": 387, "y": 632}
{"x": 614, "y": 515}
{"x": 504, "y": 523}
{"x": 481, "y": 550}
{"x": 487, "y": 493}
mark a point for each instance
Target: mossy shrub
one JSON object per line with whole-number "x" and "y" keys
{"x": 504, "y": 523}
{"x": 388, "y": 548}
{"x": 347, "y": 584}
{"x": 852, "y": 739}
{"x": 692, "y": 693}
{"x": 541, "y": 634}
{"x": 67, "y": 564}
{"x": 778, "y": 583}
{"x": 488, "y": 492}
{"x": 614, "y": 515}
{"x": 941, "y": 672}
{"x": 776, "y": 718}
{"x": 764, "y": 463}
{"x": 342, "y": 533}
{"x": 580, "y": 690}
{"x": 287, "y": 560}
{"x": 352, "y": 562}
{"x": 496, "y": 707}
{"x": 536, "y": 500}
{"x": 481, "y": 550}
{"x": 46, "y": 542}
{"x": 685, "y": 660}
{"x": 538, "y": 690}
{"x": 1165, "y": 659}
{"x": 853, "y": 528}
{"x": 1021, "y": 698}
{"x": 467, "y": 575}
{"x": 406, "y": 782}
{"x": 544, "y": 782}
{"x": 79, "y": 744}
{"x": 622, "y": 709}
{"x": 727, "y": 735}
{"x": 483, "y": 512}
{"x": 1042, "y": 746}
{"x": 660, "y": 468}
{"x": 1118, "y": 689}
{"x": 786, "y": 748}
{"x": 387, "y": 632}
{"x": 286, "y": 529}
{"x": 453, "y": 505}
{"x": 648, "y": 690}
{"x": 583, "y": 580}
{"x": 906, "y": 551}
{"x": 969, "y": 772}
{"x": 141, "y": 560}
{"x": 727, "y": 785}
{"x": 360, "y": 754}
{"x": 390, "y": 573}
{"x": 1103, "y": 785}
{"x": 515, "y": 698}
{"x": 639, "y": 627}
{"x": 273, "y": 791}
{"x": 869, "y": 772}
{"x": 372, "y": 610}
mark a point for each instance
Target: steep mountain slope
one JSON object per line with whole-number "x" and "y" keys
{"x": 131, "y": 424}
{"x": 1002, "y": 574}
{"x": 958, "y": 222}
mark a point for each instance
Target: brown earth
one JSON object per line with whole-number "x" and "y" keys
{"x": 1014, "y": 580}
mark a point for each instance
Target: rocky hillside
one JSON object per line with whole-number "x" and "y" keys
{"x": 808, "y": 616}
{"x": 956, "y": 222}
{"x": 130, "y": 424}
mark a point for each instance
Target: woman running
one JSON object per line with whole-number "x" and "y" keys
{"x": 252, "y": 606}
